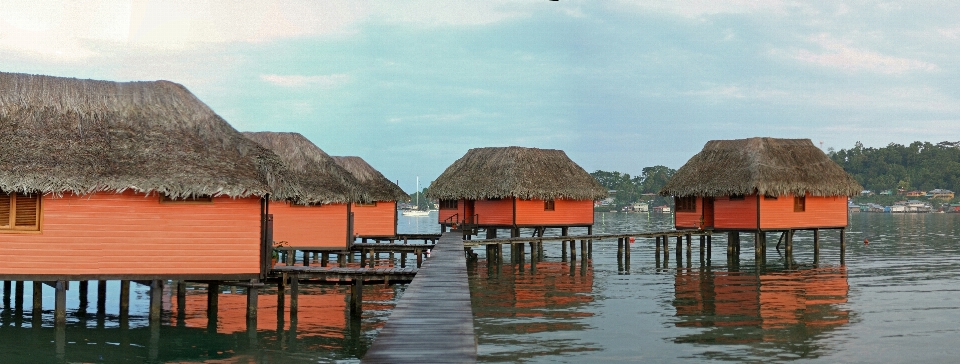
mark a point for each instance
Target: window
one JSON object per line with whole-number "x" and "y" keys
{"x": 736, "y": 198}
{"x": 193, "y": 199}
{"x": 768, "y": 197}
{"x": 366, "y": 204}
{"x": 685, "y": 204}
{"x": 19, "y": 212}
{"x": 448, "y": 204}
{"x": 549, "y": 205}
{"x": 799, "y": 203}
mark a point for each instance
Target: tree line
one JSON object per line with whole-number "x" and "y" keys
{"x": 631, "y": 189}
{"x": 919, "y": 166}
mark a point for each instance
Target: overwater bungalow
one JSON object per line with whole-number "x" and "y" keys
{"x": 127, "y": 180}
{"x": 376, "y": 218}
{"x": 324, "y": 222}
{"x": 514, "y": 187}
{"x": 761, "y": 184}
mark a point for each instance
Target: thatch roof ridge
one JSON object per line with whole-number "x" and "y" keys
{"x": 526, "y": 173}
{"x": 374, "y": 184}
{"x": 769, "y": 166}
{"x": 319, "y": 178}
{"x": 83, "y": 136}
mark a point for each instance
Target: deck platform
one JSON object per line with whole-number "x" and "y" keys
{"x": 433, "y": 320}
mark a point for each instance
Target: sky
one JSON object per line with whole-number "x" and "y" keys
{"x": 618, "y": 85}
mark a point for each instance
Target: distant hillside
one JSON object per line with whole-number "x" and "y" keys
{"x": 919, "y": 166}
{"x": 629, "y": 189}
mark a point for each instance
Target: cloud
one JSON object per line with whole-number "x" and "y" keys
{"x": 700, "y": 8}
{"x": 835, "y": 54}
{"x": 302, "y": 81}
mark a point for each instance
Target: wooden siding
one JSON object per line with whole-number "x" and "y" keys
{"x": 444, "y": 214}
{"x": 735, "y": 214}
{"x": 379, "y": 220}
{"x": 494, "y": 212}
{"x": 689, "y": 220}
{"x": 131, "y": 233}
{"x": 314, "y": 226}
{"x": 566, "y": 212}
{"x": 820, "y": 212}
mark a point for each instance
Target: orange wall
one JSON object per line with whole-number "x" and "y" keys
{"x": 379, "y": 220}
{"x": 739, "y": 214}
{"x": 444, "y": 214}
{"x": 820, "y": 212}
{"x": 313, "y": 226}
{"x": 130, "y": 233}
{"x": 571, "y": 212}
{"x": 494, "y": 212}
{"x": 689, "y": 219}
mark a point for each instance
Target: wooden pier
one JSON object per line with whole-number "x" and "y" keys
{"x": 433, "y": 320}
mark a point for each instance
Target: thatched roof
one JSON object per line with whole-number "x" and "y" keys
{"x": 526, "y": 173}
{"x": 315, "y": 173}
{"x": 766, "y": 166}
{"x": 82, "y": 136}
{"x": 374, "y": 184}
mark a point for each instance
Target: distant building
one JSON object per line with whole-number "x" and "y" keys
{"x": 886, "y": 193}
{"x": 915, "y": 194}
{"x": 661, "y": 209}
{"x": 941, "y": 194}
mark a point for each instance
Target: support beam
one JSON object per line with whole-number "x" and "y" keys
{"x": 101, "y": 298}
{"x": 37, "y": 299}
{"x": 252, "y": 300}
{"x": 356, "y": 298}
{"x": 294, "y": 296}
{"x": 213, "y": 299}
{"x": 125, "y": 300}
{"x": 60, "y": 304}
{"x": 156, "y": 300}
{"x": 843, "y": 247}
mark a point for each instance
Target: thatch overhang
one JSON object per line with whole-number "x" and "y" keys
{"x": 319, "y": 179}
{"x": 64, "y": 135}
{"x": 767, "y": 166}
{"x": 374, "y": 184}
{"x": 525, "y": 173}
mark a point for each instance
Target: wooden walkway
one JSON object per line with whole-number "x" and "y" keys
{"x": 433, "y": 320}
{"x": 395, "y": 275}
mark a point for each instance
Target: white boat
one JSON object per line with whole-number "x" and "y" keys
{"x": 417, "y": 211}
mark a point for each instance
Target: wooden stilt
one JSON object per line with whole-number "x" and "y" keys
{"x": 18, "y": 298}
{"x": 590, "y": 241}
{"x": 324, "y": 257}
{"x": 294, "y": 295}
{"x": 252, "y": 300}
{"x": 703, "y": 245}
{"x": 843, "y": 247}
{"x": 709, "y": 247}
{"x": 101, "y": 298}
{"x": 306, "y": 259}
{"x": 689, "y": 248}
{"x": 60, "y": 304}
{"x": 291, "y": 257}
{"x": 6, "y": 294}
{"x": 213, "y": 299}
{"x": 156, "y": 300}
{"x": 181, "y": 295}
{"x": 83, "y": 294}
{"x": 619, "y": 247}
{"x": 125, "y": 300}
{"x": 403, "y": 259}
{"x": 816, "y": 245}
{"x": 679, "y": 250}
{"x": 626, "y": 249}
{"x": 356, "y": 299}
{"x": 573, "y": 250}
{"x": 419, "y": 257}
{"x": 37, "y": 299}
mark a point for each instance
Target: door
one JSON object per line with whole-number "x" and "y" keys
{"x": 707, "y": 213}
{"x": 468, "y": 212}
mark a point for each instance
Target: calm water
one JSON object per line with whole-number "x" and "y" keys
{"x": 896, "y": 300}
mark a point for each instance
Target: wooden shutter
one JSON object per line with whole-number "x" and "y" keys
{"x": 27, "y": 208}
{"x": 5, "y": 207}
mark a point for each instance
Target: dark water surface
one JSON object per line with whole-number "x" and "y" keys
{"x": 895, "y": 300}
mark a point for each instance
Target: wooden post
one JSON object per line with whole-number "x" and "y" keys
{"x": 294, "y": 296}
{"x": 689, "y": 248}
{"x": 666, "y": 249}
{"x": 18, "y": 298}
{"x": 181, "y": 296}
{"x": 6, "y": 294}
{"x": 356, "y": 298}
{"x": 590, "y": 241}
{"x": 37, "y": 299}
{"x": 816, "y": 245}
{"x": 679, "y": 250}
{"x": 82, "y": 310}
{"x": 573, "y": 250}
{"x": 306, "y": 258}
{"x": 789, "y": 243}
{"x": 709, "y": 247}
{"x": 657, "y": 246}
{"x": 125, "y": 300}
{"x": 291, "y": 257}
{"x": 843, "y": 247}
{"x": 213, "y": 297}
{"x": 324, "y": 257}
{"x": 252, "y": 300}
{"x": 363, "y": 259}
{"x": 619, "y": 247}
{"x": 403, "y": 259}
{"x": 60, "y": 304}
{"x": 626, "y": 249}
{"x": 156, "y": 300}
{"x": 703, "y": 245}
{"x": 101, "y": 298}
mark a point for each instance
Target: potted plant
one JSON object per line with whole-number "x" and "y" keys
{"x": 276, "y": 251}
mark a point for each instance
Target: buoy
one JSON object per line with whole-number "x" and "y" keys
{"x": 865, "y": 241}
{"x": 632, "y": 239}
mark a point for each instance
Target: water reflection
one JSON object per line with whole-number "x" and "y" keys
{"x": 519, "y": 312}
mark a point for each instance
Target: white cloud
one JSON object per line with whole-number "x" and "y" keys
{"x": 701, "y": 8}
{"x": 837, "y": 54}
{"x": 301, "y": 81}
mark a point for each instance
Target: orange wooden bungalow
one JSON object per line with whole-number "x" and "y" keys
{"x": 376, "y": 218}
{"x": 761, "y": 184}
{"x": 324, "y": 222}
{"x": 514, "y": 187}
{"x": 128, "y": 181}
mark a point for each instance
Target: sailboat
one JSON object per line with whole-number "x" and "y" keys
{"x": 417, "y": 211}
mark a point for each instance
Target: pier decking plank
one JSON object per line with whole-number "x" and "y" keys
{"x": 433, "y": 320}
